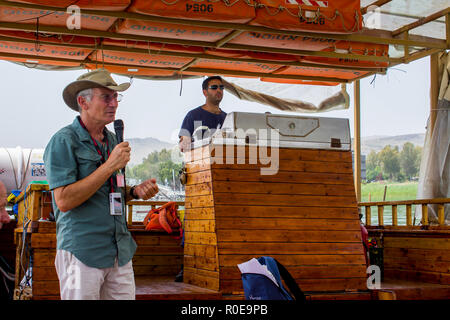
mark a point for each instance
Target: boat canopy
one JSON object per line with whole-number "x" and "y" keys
{"x": 286, "y": 41}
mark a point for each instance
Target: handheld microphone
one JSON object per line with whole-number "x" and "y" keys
{"x": 118, "y": 129}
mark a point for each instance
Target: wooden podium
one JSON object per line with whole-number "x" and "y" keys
{"x": 304, "y": 214}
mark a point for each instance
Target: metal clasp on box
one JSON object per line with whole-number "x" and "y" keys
{"x": 336, "y": 143}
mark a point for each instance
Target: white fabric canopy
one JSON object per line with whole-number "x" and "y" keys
{"x": 435, "y": 167}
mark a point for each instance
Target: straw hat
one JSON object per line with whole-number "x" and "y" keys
{"x": 99, "y": 78}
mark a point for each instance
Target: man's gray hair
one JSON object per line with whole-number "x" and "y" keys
{"x": 87, "y": 94}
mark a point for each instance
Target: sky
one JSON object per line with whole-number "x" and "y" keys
{"x": 32, "y": 108}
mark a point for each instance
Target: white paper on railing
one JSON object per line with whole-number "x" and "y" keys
{"x": 253, "y": 266}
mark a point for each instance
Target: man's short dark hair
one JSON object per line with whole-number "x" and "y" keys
{"x": 205, "y": 83}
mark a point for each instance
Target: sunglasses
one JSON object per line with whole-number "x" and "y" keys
{"x": 215, "y": 87}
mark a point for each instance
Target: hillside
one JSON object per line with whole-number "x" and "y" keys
{"x": 377, "y": 143}
{"x": 141, "y": 147}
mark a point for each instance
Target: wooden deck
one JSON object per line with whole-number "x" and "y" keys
{"x": 165, "y": 288}
{"x": 394, "y": 289}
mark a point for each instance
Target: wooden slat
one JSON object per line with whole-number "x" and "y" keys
{"x": 199, "y": 177}
{"x": 198, "y": 262}
{"x": 199, "y": 225}
{"x": 44, "y": 258}
{"x": 155, "y": 238}
{"x": 199, "y": 165}
{"x": 441, "y": 215}
{"x": 287, "y": 224}
{"x": 199, "y": 213}
{"x": 281, "y": 176}
{"x": 417, "y": 243}
{"x": 289, "y": 154}
{"x": 202, "y": 272}
{"x": 275, "y": 200}
{"x": 235, "y": 286}
{"x": 284, "y": 236}
{"x": 202, "y": 250}
{"x": 268, "y": 249}
{"x": 199, "y": 189}
{"x": 159, "y": 250}
{"x": 380, "y": 215}
{"x": 279, "y": 188}
{"x": 408, "y": 215}
{"x": 418, "y": 254}
{"x": 155, "y": 270}
{"x": 424, "y": 214}
{"x": 394, "y": 215}
{"x": 292, "y": 166}
{"x": 283, "y": 212}
{"x": 199, "y": 201}
{"x": 193, "y": 276}
{"x": 200, "y": 237}
{"x": 45, "y": 288}
{"x": 197, "y": 154}
{"x": 368, "y": 216}
{"x": 296, "y": 259}
{"x": 146, "y": 260}
{"x": 43, "y": 240}
{"x": 431, "y": 277}
{"x": 45, "y": 273}
{"x": 307, "y": 272}
{"x": 417, "y": 265}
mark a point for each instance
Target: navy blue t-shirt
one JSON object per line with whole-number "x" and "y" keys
{"x": 199, "y": 117}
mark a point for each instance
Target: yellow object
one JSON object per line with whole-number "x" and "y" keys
{"x": 11, "y": 197}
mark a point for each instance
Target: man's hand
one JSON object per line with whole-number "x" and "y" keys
{"x": 146, "y": 189}
{"x": 120, "y": 156}
{"x": 185, "y": 143}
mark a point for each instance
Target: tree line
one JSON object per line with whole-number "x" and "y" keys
{"x": 159, "y": 165}
{"x": 394, "y": 164}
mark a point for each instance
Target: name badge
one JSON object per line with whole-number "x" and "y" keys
{"x": 115, "y": 203}
{"x": 120, "y": 180}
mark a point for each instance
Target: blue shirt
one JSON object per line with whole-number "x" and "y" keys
{"x": 89, "y": 231}
{"x": 199, "y": 117}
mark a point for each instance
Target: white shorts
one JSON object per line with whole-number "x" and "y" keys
{"x": 77, "y": 281}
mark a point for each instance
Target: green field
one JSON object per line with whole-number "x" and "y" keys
{"x": 395, "y": 191}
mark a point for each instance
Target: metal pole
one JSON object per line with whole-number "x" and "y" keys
{"x": 357, "y": 138}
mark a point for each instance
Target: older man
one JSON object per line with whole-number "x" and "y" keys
{"x": 82, "y": 160}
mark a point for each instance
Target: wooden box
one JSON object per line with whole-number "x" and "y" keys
{"x": 304, "y": 214}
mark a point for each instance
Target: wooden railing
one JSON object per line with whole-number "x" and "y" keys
{"x": 440, "y": 202}
{"x": 152, "y": 204}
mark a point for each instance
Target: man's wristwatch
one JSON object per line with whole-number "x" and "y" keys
{"x": 132, "y": 193}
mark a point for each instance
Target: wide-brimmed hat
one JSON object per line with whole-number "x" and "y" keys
{"x": 99, "y": 78}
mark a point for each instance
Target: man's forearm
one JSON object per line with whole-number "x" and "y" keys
{"x": 75, "y": 194}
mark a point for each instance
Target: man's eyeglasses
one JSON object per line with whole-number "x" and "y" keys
{"x": 215, "y": 87}
{"x": 107, "y": 98}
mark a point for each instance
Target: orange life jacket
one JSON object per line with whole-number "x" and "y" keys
{"x": 164, "y": 218}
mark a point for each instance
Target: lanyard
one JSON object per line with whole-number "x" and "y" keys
{"x": 99, "y": 151}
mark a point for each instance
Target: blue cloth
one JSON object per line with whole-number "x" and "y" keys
{"x": 89, "y": 231}
{"x": 199, "y": 117}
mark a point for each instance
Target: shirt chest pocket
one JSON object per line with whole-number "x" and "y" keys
{"x": 88, "y": 162}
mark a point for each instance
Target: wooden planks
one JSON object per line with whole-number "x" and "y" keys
{"x": 305, "y": 215}
{"x": 417, "y": 255}
{"x": 157, "y": 254}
